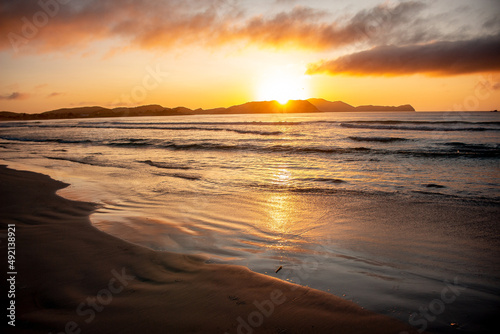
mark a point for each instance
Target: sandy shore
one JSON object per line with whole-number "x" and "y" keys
{"x": 72, "y": 278}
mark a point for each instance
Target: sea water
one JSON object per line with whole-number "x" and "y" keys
{"x": 386, "y": 209}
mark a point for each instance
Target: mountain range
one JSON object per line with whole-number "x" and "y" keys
{"x": 261, "y": 107}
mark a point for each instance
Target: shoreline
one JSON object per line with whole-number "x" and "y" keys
{"x": 83, "y": 280}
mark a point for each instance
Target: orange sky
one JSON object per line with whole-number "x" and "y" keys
{"x": 439, "y": 55}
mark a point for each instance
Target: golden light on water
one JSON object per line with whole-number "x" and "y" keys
{"x": 280, "y": 212}
{"x": 280, "y": 220}
{"x": 283, "y": 176}
{"x": 280, "y": 204}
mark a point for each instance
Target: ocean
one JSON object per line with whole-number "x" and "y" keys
{"x": 397, "y": 212}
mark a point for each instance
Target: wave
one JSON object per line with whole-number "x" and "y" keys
{"x": 209, "y": 125}
{"x": 378, "y": 139}
{"x": 397, "y": 126}
{"x": 194, "y": 128}
{"x": 184, "y": 176}
{"x": 478, "y": 150}
{"x": 446, "y": 150}
{"x": 199, "y": 146}
{"x": 131, "y": 142}
{"x": 215, "y": 146}
{"x": 89, "y": 161}
{"x": 196, "y": 123}
{"x": 424, "y": 122}
{"x": 492, "y": 153}
{"x": 170, "y": 128}
{"x": 268, "y": 149}
{"x": 269, "y": 128}
{"x": 434, "y": 185}
{"x": 79, "y": 161}
{"x": 324, "y": 180}
{"x": 164, "y": 165}
{"x": 472, "y": 147}
{"x": 199, "y": 126}
{"x": 303, "y": 189}
{"x": 262, "y": 133}
{"x": 46, "y": 140}
{"x": 475, "y": 151}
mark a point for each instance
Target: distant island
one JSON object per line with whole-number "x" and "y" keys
{"x": 339, "y": 106}
{"x": 261, "y": 107}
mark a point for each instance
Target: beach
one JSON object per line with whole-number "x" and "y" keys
{"x": 73, "y": 278}
{"x": 283, "y": 166}
{"x": 392, "y": 213}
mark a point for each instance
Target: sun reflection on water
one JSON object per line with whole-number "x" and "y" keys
{"x": 280, "y": 211}
{"x": 282, "y": 176}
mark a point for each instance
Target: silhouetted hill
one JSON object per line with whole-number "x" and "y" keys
{"x": 271, "y": 107}
{"x": 80, "y": 111}
{"x": 96, "y": 112}
{"x": 261, "y": 107}
{"x": 7, "y": 113}
{"x": 299, "y": 106}
{"x": 339, "y": 106}
{"x": 328, "y": 106}
{"x": 405, "y": 107}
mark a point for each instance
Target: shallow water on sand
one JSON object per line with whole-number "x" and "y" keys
{"x": 397, "y": 212}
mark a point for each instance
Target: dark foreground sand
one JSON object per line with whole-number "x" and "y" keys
{"x": 72, "y": 278}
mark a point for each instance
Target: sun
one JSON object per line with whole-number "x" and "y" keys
{"x": 283, "y": 86}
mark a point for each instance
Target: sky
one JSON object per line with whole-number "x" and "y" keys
{"x": 437, "y": 55}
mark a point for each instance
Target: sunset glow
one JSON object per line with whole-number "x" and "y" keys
{"x": 439, "y": 55}
{"x": 283, "y": 87}
{"x": 250, "y": 166}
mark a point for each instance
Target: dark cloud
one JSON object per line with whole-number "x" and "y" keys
{"x": 310, "y": 28}
{"x": 438, "y": 58}
{"x": 14, "y": 96}
{"x": 492, "y": 23}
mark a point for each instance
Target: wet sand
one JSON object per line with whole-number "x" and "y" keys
{"x": 73, "y": 278}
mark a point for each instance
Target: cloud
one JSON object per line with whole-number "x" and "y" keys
{"x": 14, "y": 96}
{"x": 310, "y": 28}
{"x": 438, "y": 59}
{"x": 301, "y": 26}
{"x": 25, "y": 25}
{"x": 55, "y": 94}
{"x": 413, "y": 36}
